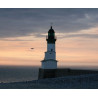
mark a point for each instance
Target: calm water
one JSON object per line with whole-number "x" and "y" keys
{"x": 14, "y": 74}
{"x": 24, "y": 73}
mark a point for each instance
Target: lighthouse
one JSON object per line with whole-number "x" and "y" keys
{"x": 50, "y": 61}
{"x": 49, "y": 64}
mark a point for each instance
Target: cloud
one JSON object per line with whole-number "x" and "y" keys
{"x": 25, "y": 22}
{"x": 81, "y": 35}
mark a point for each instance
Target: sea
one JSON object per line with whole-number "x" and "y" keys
{"x": 18, "y": 73}
{"x": 28, "y": 73}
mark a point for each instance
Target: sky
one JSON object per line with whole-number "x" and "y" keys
{"x": 22, "y": 29}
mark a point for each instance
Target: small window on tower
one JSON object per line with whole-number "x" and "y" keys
{"x": 51, "y": 49}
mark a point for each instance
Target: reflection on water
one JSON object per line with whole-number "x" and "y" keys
{"x": 13, "y": 73}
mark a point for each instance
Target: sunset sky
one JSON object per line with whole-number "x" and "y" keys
{"x": 23, "y": 29}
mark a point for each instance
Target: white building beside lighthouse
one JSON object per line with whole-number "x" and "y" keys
{"x": 50, "y": 61}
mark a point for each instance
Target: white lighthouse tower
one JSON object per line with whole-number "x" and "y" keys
{"x": 50, "y": 61}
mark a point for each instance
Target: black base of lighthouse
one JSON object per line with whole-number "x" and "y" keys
{"x": 62, "y": 72}
{"x": 46, "y": 73}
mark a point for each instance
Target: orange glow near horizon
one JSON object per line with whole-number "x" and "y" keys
{"x": 68, "y": 50}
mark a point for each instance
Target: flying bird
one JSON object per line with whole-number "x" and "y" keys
{"x": 32, "y": 48}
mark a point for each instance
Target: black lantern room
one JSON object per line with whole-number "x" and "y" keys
{"x": 51, "y": 36}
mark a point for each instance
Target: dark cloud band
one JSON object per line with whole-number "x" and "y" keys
{"x": 23, "y": 22}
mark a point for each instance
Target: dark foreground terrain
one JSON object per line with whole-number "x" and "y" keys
{"x": 68, "y": 82}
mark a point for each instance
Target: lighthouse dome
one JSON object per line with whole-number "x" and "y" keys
{"x": 51, "y": 30}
